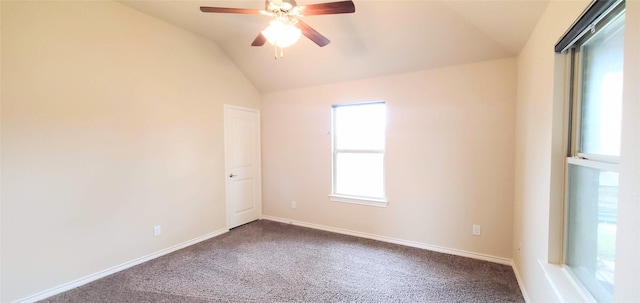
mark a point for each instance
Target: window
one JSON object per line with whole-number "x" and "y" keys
{"x": 358, "y": 143}
{"x": 594, "y": 149}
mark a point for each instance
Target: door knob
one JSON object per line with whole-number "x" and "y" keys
{"x": 232, "y": 175}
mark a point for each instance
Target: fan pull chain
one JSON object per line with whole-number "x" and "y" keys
{"x": 275, "y": 51}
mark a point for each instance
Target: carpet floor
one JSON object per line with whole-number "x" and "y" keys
{"x": 266, "y": 261}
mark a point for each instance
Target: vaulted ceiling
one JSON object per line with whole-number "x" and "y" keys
{"x": 383, "y": 37}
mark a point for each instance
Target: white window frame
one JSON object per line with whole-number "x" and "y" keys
{"x": 565, "y": 284}
{"x": 362, "y": 200}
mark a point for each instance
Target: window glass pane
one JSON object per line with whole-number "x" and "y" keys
{"x": 602, "y": 59}
{"x": 360, "y": 126}
{"x": 591, "y": 239}
{"x": 359, "y": 175}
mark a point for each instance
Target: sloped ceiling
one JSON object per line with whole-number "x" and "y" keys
{"x": 382, "y": 37}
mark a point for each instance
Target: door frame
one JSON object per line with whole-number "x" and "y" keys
{"x": 227, "y": 160}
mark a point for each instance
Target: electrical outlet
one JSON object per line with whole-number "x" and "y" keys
{"x": 476, "y": 230}
{"x": 294, "y": 204}
{"x": 157, "y": 230}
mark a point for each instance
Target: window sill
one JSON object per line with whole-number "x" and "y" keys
{"x": 564, "y": 285}
{"x": 357, "y": 200}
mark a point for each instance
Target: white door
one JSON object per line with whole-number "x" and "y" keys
{"x": 242, "y": 164}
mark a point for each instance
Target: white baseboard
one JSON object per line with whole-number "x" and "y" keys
{"x": 520, "y": 282}
{"x": 445, "y": 250}
{"x": 90, "y": 278}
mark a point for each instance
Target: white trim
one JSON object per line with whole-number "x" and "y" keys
{"x": 254, "y": 110}
{"x": 435, "y": 248}
{"x": 109, "y": 271}
{"x": 594, "y": 164}
{"x": 359, "y": 200}
{"x": 359, "y": 103}
{"x": 564, "y": 284}
{"x": 359, "y": 151}
{"x": 601, "y": 158}
{"x": 525, "y": 295}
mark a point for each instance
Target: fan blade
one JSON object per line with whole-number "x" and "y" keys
{"x": 342, "y": 7}
{"x": 229, "y": 10}
{"x": 259, "y": 41}
{"x": 312, "y": 34}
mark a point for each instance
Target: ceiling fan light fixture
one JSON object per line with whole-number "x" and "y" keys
{"x": 287, "y": 25}
{"x": 279, "y": 5}
{"x": 280, "y": 34}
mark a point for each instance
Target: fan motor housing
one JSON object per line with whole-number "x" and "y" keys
{"x": 279, "y": 5}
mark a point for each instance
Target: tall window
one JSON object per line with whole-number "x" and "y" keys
{"x": 594, "y": 150}
{"x": 358, "y": 140}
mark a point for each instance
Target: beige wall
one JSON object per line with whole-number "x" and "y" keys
{"x": 533, "y": 146}
{"x": 111, "y": 124}
{"x": 449, "y": 161}
{"x": 539, "y": 179}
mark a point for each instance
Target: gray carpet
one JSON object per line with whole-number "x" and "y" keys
{"x": 265, "y": 261}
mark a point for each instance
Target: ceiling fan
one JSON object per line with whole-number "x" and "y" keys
{"x": 286, "y": 26}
